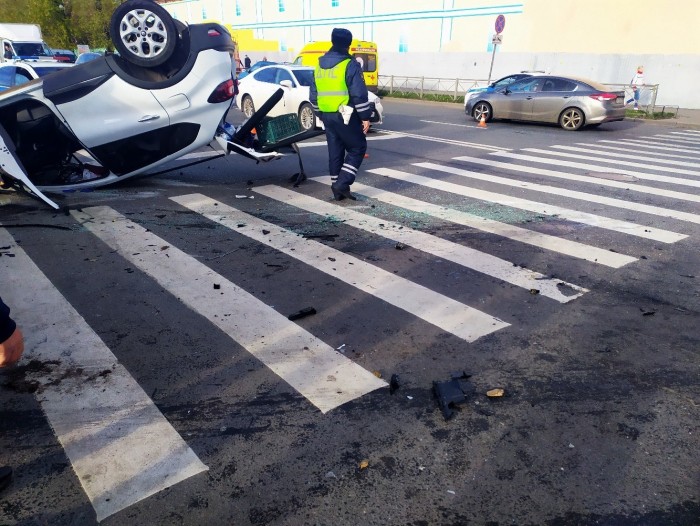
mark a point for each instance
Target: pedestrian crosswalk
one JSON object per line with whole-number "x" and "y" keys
{"x": 102, "y": 413}
{"x": 585, "y": 196}
{"x": 120, "y": 445}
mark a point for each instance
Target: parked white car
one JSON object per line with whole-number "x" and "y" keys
{"x": 18, "y": 72}
{"x": 258, "y": 86}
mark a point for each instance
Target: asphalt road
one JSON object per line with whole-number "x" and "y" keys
{"x": 164, "y": 384}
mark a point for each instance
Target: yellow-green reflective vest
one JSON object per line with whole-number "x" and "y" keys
{"x": 331, "y": 87}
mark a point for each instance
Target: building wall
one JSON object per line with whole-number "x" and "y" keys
{"x": 601, "y": 39}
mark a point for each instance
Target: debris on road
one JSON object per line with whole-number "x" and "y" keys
{"x": 378, "y": 374}
{"x": 364, "y": 464}
{"x": 495, "y": 393}
{"x": 324, "y": 237}
{"x": 451, "y": 393}
{"x": 308, "y": 311}
{"x": 400, "y": 246}
{"x": 217, "y": 286}
{"x": 394, "y": 383}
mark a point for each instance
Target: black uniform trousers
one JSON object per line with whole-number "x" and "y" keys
{"x": 347, "y": 145}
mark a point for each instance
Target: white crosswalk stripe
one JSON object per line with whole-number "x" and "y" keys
{"x": 522, "y": 235}
{"x": 443, "y": 312}
{"x": 656, "y": 145}
{"x": 631, "y": 150}
{"x": 625, "y": 227}
{"x": 321, "y": 374}
{"x": 587, "y": 166}
{"x": 669, "y": 237}
{"x": 465, "y": 256}
{"x": 638, "y": 156}
{"x": 689, "y": 133}
{"x": 671, "y": 139}
{"x": 121, "y": 447}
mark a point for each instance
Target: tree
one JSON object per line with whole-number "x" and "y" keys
{"x": 67, "y": 23}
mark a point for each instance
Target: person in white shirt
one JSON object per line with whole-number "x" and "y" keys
{"x": 637, "y": 82}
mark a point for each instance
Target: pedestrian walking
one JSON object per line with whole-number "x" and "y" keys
{"x": 636, "y": 83}
{"x": 246, "y": 62}
{"x": 339, "y": 97}
{"x": 11, "y": 349}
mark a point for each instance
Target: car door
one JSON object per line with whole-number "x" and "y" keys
{"x": 123, "y": 125}
{"x": 517, "y": 99}
{"x": 552, "y": 99}
{"x": 303, "y": 80}
{"x": 113, "y": 111}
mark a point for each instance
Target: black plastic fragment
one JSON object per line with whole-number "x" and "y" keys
{"x": 453, "y": 392}
{"x": 308, "y": 311}
{"x": 394, "y": 383}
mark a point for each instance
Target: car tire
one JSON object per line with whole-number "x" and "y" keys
{"x": 247, "y": 106}
{"x": 143, "y": 32}
{"x": 482, "y": 108}
{"x": 572, "y": 119}
{"x": 307, "y": 117}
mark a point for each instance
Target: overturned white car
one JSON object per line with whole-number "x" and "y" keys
{"x": 165, "y": 93}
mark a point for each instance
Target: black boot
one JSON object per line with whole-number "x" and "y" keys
{"x": 340, "y": 194}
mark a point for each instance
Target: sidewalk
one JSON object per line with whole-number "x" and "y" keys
{"x": 686, "y": 119}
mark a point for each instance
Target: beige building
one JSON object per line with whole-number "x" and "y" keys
{"x": 601, "y": 39}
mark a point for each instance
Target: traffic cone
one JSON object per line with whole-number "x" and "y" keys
{"x": 482, "y": 122}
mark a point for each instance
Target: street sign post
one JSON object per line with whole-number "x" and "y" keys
{"x": 497, "y": 39}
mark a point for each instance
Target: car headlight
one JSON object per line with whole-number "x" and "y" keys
{"x": 470, "y": 95}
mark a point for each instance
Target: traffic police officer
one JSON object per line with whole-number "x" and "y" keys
{"x": 339, "y": 84}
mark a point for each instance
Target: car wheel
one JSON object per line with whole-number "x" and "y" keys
{"x": 143, "y": 32}
{"x": 307, "y": 118}
{"x": 247, "y": 106}
{"x": 571, "y": 119}
{"x": 482, "y": 109}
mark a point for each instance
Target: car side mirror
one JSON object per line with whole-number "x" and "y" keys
{"x": 286, "y": 84}
{"x": 506, "y": 91}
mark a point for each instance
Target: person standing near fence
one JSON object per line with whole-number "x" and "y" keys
{"x": 637, "y": 82}
{"x": 340, "y": 99}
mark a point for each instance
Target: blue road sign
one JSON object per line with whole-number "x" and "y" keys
{"x": 500, "y": 23}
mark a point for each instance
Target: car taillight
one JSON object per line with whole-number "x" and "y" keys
{"x": 603, "y": 96}
{"x": 214, "y": 33}
{"x": 222, "y": 92}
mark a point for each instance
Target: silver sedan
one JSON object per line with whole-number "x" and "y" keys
{"x": 570, "y": 102}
